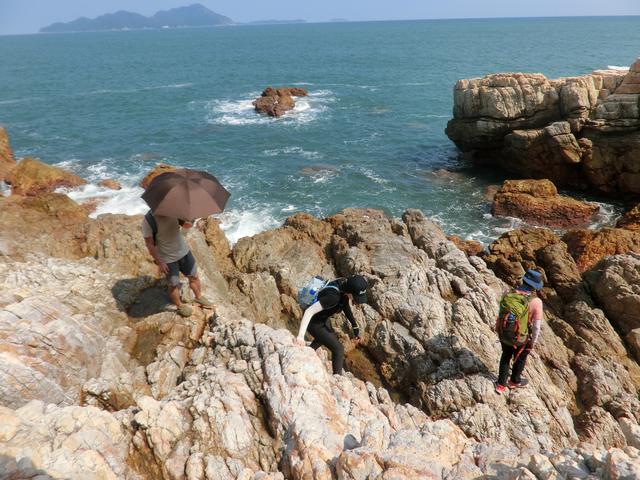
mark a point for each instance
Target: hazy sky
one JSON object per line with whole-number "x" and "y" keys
{"x": 26, "y": 16}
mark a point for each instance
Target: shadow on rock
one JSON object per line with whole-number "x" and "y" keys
{"x": 10, "y": 469}
{"x": 141, "y": 296}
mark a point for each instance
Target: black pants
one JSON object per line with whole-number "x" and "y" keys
{"x": 509, "y": 352}
{"x": 324, "y": 336}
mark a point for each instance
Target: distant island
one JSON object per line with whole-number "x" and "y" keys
{"x": 275, "y": 22}
{"x": 195, "y": 15}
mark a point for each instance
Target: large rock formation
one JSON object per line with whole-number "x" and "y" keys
{"x": 143, "y": 394}
{"x": 538, "y": 203}
{"x": 7, "y": 162}
{"x": 275, "y": 102}
{"x": 577, "y": 131}
{"x": 31, "y": 177}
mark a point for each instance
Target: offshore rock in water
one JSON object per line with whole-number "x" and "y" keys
{"x": 577, "y": 131}
{"x": 275, "y": 102}
{"x": 537, "y": 202}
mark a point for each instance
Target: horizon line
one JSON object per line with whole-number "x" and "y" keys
{"x": 250, "y": 23}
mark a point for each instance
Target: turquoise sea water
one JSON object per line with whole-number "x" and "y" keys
{"x": 371, "y": 133}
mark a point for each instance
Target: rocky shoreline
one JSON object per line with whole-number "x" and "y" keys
{"x": 99, "y": 379}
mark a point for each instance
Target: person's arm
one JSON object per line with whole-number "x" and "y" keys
{"x": 147, "y": 234}
{"x": 536, "y": 316}
{"x": 306, "y": 318}
{"x": 349, "y": 314}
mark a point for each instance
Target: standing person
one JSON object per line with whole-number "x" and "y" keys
{"x": 333, "y": 298}
{"x": 166, "y": 244}
{"x": 518, "y": 327}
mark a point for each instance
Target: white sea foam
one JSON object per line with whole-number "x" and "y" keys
{"x": 242, "y": 112}
{"x": 5, "y": 189}
{"x": 288, "y": 208}
{"x": 616, "y": 67}
{"x": 245, "y": 223}
{"x": 19, "y": 100}
{"x": 292, "y": 151}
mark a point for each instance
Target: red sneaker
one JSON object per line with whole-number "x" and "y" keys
{"x": 523, "y": 383}
{"x": 500, "y": 389}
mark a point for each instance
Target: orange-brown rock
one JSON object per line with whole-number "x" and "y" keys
{"x": 7, "y": 162}
{"x": 158, "y": 170}
{"x": 537, "y": 202}
{"x": 516, "y": 251}
{"x": 469, "y": 247}
{"x": 110, "y": 183}
{"x": 275, "y": 102}
{"x": 55, "y": 204}
{"x": 630, "y": 220}
{"x": 32, "y": 177}
{"x": 588, "y": 247}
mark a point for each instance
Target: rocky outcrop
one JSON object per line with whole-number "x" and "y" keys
{"x": 589, "y": 246}
{"x": 577, "y": 131}
{"x": 470, "y": 247}
{"x": 275, "y": 102}
{"x": 144, "y": 394}
{"x": 537, "y": 202}
{"x": 158, "y": 170}
{"x": 7, "y": 162}
{"x": 32, "y": 177}
{"x": 630, "y": 220}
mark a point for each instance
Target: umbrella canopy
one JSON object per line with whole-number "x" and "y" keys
{"x": 186, "y": 194}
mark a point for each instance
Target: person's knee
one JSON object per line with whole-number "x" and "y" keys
{"x": 193, "y": 278}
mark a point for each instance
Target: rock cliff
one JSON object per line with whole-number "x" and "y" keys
{"x": 577, "y": 131}
{"x": 101, "y": 379}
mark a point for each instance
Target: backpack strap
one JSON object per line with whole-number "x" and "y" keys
{"x": 151, "y": 220}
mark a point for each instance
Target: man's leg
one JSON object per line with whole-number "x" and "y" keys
{"x": 322, "y": 335}
{"x": 518, "y": 365}
{"x": 505, "y": 362}
{"x": 194, "y": 284}
{"x": 173, "y": 278}
{"x": 188, "y": 267}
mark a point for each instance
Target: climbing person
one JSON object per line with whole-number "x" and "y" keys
{"x": 333, "y": 297}
{"x": 518, "y": 327}
{"x": 164, "y": 238}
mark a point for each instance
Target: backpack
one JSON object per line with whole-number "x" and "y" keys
{"x": 151, "y": 220}
{"x": 308, "y": 294}
{"x": 513, "y": 319}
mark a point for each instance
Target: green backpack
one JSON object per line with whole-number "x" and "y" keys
{"x": 513, "y": 324}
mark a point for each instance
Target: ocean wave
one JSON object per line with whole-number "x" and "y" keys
{"x": 19, "y": 100}
{"x": 125, "y": 201}
{"x": 107, "y": 91}
{"x": 5, "y": 189}
{"x": 292, "y": 151}
{"x": 237, "y": 224}
{"x": 616, "y": 67}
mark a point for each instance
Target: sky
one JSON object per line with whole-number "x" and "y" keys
{"x": 27, "y": 16}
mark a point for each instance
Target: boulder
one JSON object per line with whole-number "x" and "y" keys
{"x": 537, "y": 202}
{"x": 32, "y": 177}
{"x": 7, "y": 162}
{"x": 469, "y": 247}
{"x": 56, "y": 204}
{"x": 158, "y": 170}
{"x": 588, "y": 247}
{"x": 630, "y": 220}
{"x": 110, "y": 183}
{"x": 275, "y": 102}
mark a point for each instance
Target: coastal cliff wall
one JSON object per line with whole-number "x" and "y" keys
{"x": 582, "y": 132}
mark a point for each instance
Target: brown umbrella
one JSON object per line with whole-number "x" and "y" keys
{"x": 186, "y": 194}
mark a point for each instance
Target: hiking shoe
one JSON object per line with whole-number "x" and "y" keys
{"x": 203, "y": 302}
{"x": 500, "y": 389}
{"x": 185, "y": 310}
{"x": 521, "y": 384}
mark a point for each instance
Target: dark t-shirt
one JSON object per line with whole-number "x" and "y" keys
{"x": 333, "y": 301}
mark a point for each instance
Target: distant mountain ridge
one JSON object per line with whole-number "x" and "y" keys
{"x": 195, "y": 15}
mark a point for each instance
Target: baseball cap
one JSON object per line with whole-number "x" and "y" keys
{"x": 357, "y": 286}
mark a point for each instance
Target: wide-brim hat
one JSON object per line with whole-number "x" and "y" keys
{"x": 357, "y": 286}
{"x": 533, "y": 279}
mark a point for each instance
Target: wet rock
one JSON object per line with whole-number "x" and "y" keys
{"x": 31, "y": 177}
{"x": 469, "y": 247}
{"x": 157, "y": 170}
{"x": 275, "y": 102}
{"x": 110, "y": 183}
{"x": 630, "y": 220}
{"x": 537, "y": 202}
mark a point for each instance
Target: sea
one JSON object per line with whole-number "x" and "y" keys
{"x": 370, "y": 133}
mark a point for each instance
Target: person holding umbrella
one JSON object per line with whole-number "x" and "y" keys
{"x": 177, "y": 198}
